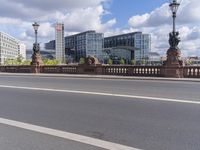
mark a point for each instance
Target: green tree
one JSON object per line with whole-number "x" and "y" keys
{"x": 26, "y": 62}
{"x": 10, "y": 61}
{"x": 19, "y": 59}
{"x": 188, "y": 62}
{"x": 142, "y": 62}
{"x": 110, "y": 61}
{"x": 133, "y": 62}
{"x": 121, "y": 62}
{"x": 82, "y": 61}
{"x": 51, "y": 61}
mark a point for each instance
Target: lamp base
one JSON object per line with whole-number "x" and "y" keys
{"x": 173, "y": 67}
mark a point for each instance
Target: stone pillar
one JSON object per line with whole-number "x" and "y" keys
{"x": 173, "y": 67}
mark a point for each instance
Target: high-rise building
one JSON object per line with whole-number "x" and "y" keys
{"x": 8, "y": 47}
{"x": 138, "y": 43}
{"x": 60, "y": 42}
{"x": 85, "y": 44}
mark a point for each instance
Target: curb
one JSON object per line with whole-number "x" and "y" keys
{"x": 105, "y": 77}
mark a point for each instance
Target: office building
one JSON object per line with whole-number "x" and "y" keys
{"x": 60, "y": 42}
{"x": 22, "y": 50}
{"x": 85, "y": 44}
{"x": 81, "y": 45}
{"x": 8, "y": 47}
{"x": 51, "y": 45}
{"x": 137, "y": 45}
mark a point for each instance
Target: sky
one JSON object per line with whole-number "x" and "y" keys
{"x": 110, "y": 17}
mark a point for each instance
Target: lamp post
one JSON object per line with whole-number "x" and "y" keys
{"x": 173, "y": 36}
{"x": 173, "y": 65}
{"x": 174, "y": 8}
{"x": 35, "y": 27}
{"x": 36, "y": 57}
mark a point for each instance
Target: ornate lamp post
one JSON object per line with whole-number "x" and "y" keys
{"x": 36, "y": 57}
{"x": 174, "y": 8}
{"x": 173, "y": 64}
{"x": 35, "y": 27}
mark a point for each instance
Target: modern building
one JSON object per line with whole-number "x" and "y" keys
{"x": 44, "y": 53}
{"x": 85, "y": 44}
{"x": 138, "y": 44}
{"x": 60, "y": 42}
{"x": 51, "y": 45}
{"x": 80, "y": 45}
{"x": 8, "y": 47}
{"x": 22, "y": 50}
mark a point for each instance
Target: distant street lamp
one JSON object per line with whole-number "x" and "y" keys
{"x": 36, "y": 57}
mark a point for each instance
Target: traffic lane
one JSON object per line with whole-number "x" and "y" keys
{"x": 12, "y": 138}
{"x": 165, "y": 89}
{"x": 143, "y": 124}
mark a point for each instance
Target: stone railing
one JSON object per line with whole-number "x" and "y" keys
{"x": 16, "y": 69}
{"x": 123, "y": 70}
{"x": 68, "y": 69}
{"x": 151, "y": 71}
{"x": 191, "y": 72}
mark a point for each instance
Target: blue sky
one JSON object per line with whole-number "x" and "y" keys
{"x": 110, "y": 17}
{"x": 124, "y": 9}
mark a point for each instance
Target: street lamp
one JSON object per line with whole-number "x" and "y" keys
{"x": 174, "y": 8}
{"x": 173, "y": 36}
{"x": 173, "y": 65}
{"x": 36, "y": 57}
{"x": 35, "y": 27}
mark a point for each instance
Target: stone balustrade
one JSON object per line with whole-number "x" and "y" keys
{"x": 191, "y": 72}
{"x": 122, "y": 70}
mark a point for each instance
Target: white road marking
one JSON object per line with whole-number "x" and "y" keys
{"x": 103, "y": 94}
{"x": 66, "y": 135}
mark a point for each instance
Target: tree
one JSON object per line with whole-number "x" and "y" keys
{"x": 19, "y": 59}
{"x": 121, "y": 62}
{"x": 82, "y": 61}
{"x": 51, "y": 62}
{"x": 26, "y": 62}
{"x": 133, "y": 62}
{"x": 110, "y": 61}
{"x": 142, "y": 62}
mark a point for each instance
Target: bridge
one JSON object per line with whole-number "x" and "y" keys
{"x": 82, "y": 112}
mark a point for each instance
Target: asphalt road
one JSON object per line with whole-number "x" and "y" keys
{"x": 12, "y": 138}
{"x": 136, "y": 122}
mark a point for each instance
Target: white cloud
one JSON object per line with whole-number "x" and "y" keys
{"x": 77, "y": 15}
{"x": 158, "y": 23}
{"x": 17, "y": 16}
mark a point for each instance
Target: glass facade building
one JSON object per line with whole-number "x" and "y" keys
{"x": 137, "y": 41}
{"x": 85, "y": 44}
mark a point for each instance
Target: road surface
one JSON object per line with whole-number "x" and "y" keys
{"x": 139, "y": 114}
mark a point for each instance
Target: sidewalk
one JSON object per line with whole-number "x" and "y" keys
{"x": 103, "y": 77}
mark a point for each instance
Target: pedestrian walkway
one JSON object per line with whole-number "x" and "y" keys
{"x": 103, "y": 77}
